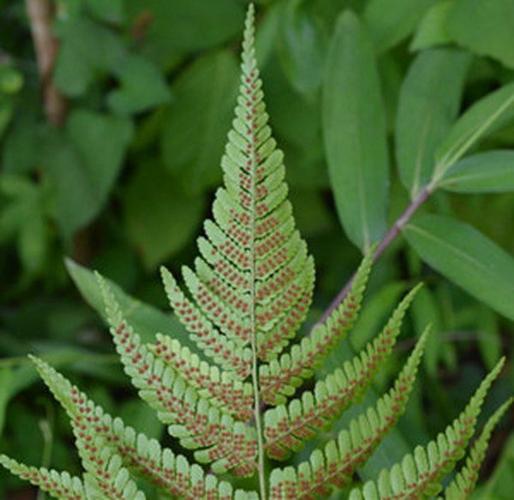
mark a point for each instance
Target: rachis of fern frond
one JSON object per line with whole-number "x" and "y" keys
{"x": 236, "y": 399}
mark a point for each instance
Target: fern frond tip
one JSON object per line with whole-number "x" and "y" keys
{"x": 111, "y": 305}
{"x": 464, "y": 482}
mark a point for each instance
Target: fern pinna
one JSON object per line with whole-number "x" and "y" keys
{"x": 236, "y": 401}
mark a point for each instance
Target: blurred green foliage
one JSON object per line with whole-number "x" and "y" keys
{"x": 123, "y": 185}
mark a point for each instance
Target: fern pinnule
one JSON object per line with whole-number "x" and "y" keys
{"x": 464, "y": 482}
{"x": 419, "y": 475}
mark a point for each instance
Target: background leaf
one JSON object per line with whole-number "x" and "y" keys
{"x": 490, "y": 172}
{"x": 142, "y": 87}
{"x": 354, "y": 133}
{"x": 148, "y": 205}
{"x": 390, "y": 21}
{"x": 484, "y": 27}
{"x": 189, "y": 25}
{"x": 86, "y": 49}
{"x": 145, "y": 319}
{"x": 487, "y": 115}
{"x": 432, "y": 29}
{"x": 83, "y": 162}
{"x": 194, "y": 132}
{"x": 302, "y": 48}
{"x": 429, "y": 102}
{"x": 466, "y": 257}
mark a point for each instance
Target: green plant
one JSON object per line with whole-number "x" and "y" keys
{"x": 232, "y": 398}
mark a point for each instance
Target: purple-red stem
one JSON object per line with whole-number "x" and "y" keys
{"x": 390, "y": 236}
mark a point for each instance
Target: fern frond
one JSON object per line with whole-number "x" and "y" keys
{"x": 254, "y": 279}
{"x": 335, "y": 464}
{"x": 222, "y": 388}
{"x": 227, "y": 443}
{"x": 242, "y": 302}
{"x": 286, "y": 428}
{"x": 57, "y": 484}
{"x": 280, "y": 378}
{"x": 145, "y": 457}
{"x": 464, "y": 482}
{"x": 419, "y": 475}
{"x": 105, "y": 476}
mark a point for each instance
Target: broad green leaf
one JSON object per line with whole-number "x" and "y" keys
{"x": 24, "y": 217}
{"x": 391, "y": 21}
{"x": 489, "y": 336}
{"x": 489, "y": 172}
{"x": 5, "y": 393}
{"x": 82, "y": 163}
{"x": 142, "y": 87}
{"x": 429, "y": 102}
{"x": 354, "y": 133}
{"x": 303, "y": 45}
{"x": 486, "y": 116}
{"x": 198, "y": 120}
{"x": 466, "y": 257}
{"x": 189, "y": 25}
{"x": 21, "y": 148}
{"x": 34, "y": 240}
{"x": 101, "y": 141}
{"x": 432, "y": 29}
{"x": 146, "y": 319}
{"x": 297, "y": 127}
{"x": 11, "y": 80}
{"x": 160, "y": 217}
{"x": 75, "y": 203}
{"x": 112, "y": 11}
{"x": 484, "y": 27}
{"x": 86, "y": 49}
{"x": 425, "y": 311}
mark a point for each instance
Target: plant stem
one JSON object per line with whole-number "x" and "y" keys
{"x": 390, "y": 236}
{"x": 41, "y": 15}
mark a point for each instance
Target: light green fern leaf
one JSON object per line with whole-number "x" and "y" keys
{"x": 193, "y": 419}
{"x": 464, "y": 482}
{"x": 420, "y": 474}
{"x": 288, "y": 427}
{"x": 235, "y": 402}
{"x": 280, "y": 377}
{"x": 222, "y": 388}
{"x": 140, "y": 455}
{"x": 252, "y": 285}
{"x": 57, "y": 484}
{"x": 335, "y": 464}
